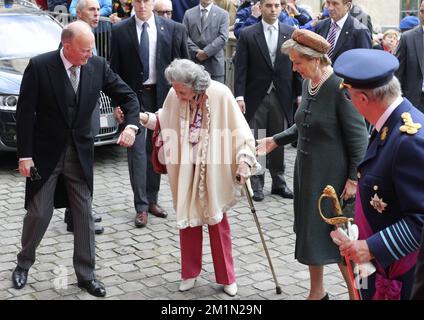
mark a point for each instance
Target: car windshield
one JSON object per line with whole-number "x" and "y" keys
{"x": 24, "y": 36}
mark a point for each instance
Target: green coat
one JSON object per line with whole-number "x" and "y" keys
{"x": 331, "y": 141}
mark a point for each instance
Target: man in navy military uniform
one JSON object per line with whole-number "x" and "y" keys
{"x": 389, "y": 208}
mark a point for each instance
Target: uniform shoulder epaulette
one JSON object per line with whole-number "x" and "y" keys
{"x": 409, "y": 126}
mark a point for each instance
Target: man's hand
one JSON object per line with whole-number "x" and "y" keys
{"x": 114, "y": 18}
{"x": 291, "y": 8}
{"x": 265, "y": 146}
{"x": 242, "y": 106}
{"x": 119, "y": 115}
{"x": 126, "y": 138}
{"x": 24, "y": 167}
{"x": 356, "y": 251}
{"x": 201, "y": 55}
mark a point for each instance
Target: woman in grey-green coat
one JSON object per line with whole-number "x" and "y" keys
{"x": 331, "y": 141}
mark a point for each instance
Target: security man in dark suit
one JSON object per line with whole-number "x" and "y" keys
{"x": 341, "y": 30}
{"x": 59, "y": 92}
{"x": 263, "y": 87}
{"x": 141, "y": 48}
{"x": 389, "y": 208}
{"x": 410, "y": 54}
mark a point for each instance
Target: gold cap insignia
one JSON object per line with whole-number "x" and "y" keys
{"x": 384, "y": 132}
{"x": 344, "y": 85}
{"x": 409, "y": 126}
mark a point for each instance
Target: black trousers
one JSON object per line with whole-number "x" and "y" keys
{"x": 269, "y": 119}
{"x": 148, "y": 97}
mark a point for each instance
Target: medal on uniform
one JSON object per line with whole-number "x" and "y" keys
{"x": 377, "y": 203}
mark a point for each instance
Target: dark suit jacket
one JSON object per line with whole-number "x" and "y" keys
{"x": 254, "y": 72}
{"x": 410, "y": 53}
{"x": 125, "y": 59}
{"x": 353, "y": 35}
{"x": 43, "y": 126}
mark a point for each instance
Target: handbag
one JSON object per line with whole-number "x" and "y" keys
{"x": 158, "y": 166}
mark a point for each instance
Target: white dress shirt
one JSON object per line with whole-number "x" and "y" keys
{"x": 382, "y": 120}
{"x": 68, "y": 65}
{"x": 208, "y": 9}
{"x": 340, "y": 25}
{"x": 153, "y": 36}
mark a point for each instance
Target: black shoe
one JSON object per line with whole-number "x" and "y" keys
{"x": 19, "y": 277}
{"x": 326, "y": 297}
{"x": 69, "y": 227}
{"x": 284, "y": 192}
{"x": 98, "y": 229}
{"x": 93, "y": 287}
{"x": 258, "y": 196}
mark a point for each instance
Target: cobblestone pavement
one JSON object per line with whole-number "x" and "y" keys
{"x": 145, "y": 263}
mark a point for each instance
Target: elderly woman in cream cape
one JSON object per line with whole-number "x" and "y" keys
{"x": 209, "y": 152}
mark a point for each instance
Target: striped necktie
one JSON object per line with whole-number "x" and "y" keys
{"x": 74, "y": 77}
{"x": 331, "y": 38}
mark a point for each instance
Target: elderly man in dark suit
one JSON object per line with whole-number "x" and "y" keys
{"x": 58, "y": 94}
{"x": 207, "y": 26}
{"x": 264, "y": 86}
{"x": 141, "y": 48}
{"x": 410, "y": 54}
{"x": 341, "y": 30}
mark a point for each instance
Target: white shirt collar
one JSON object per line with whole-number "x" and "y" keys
{"x": 380, "y": 123}
{"x": 207, "y": 8}
{"x": 150, "y": 21}
{"x": 342, "y": 21}
{"x": 266, "y": 25}
{"x": 65, "y": 61}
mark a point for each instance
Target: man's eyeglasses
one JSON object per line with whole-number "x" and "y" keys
{"x": 164, "y": 12}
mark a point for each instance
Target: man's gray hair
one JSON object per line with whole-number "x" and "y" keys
{"x": 389, "y": 91}
{"x": 157, "y": 2}
{"x": 81, "y": 5}
{"x": 304, "y": 51}
{"x": 190, "y": 74}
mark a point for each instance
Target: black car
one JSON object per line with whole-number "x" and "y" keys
{"x": 26, "y": 31}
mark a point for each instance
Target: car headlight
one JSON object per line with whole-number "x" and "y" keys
{"x": 8, "y": 102}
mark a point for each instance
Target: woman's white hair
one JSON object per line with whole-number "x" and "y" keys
{"x": 188, "y": 73}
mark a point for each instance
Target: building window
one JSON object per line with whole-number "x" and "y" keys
{"x": 409, "y": 7}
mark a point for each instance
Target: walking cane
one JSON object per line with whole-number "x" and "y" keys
{"x": 252, "y": 208}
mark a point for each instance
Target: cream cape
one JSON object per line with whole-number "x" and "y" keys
{"x": 205, "y": 188}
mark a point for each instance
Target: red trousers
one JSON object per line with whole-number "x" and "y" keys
{"x": 191, "y": 240}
